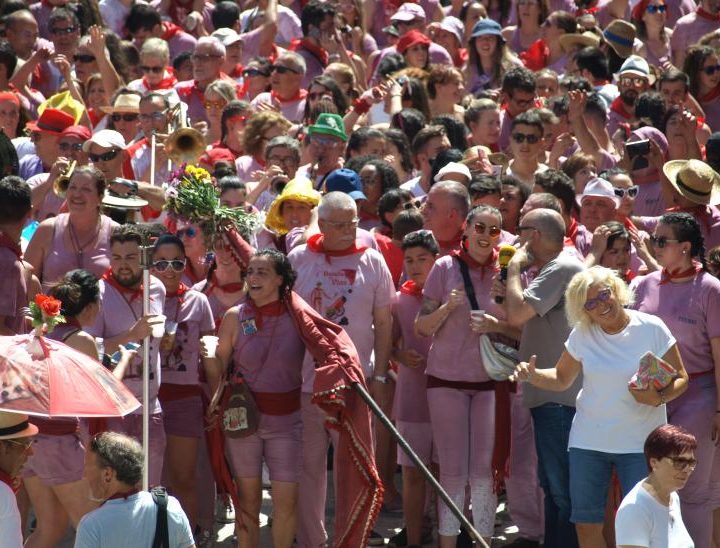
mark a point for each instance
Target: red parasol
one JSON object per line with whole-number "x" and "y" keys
{"x": 46, "y": 378}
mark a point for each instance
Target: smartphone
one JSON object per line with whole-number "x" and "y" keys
{"x": 115, "y": 358}
{"x": 637, "y": 153}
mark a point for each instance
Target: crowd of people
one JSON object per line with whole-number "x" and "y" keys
{"x": 457, "y": 184}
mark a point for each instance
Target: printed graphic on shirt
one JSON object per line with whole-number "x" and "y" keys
{"x": 332, "y": 293}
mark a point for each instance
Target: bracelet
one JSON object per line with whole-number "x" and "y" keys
{"x": 381, "y": 379}
{"x": 361, "y": 105}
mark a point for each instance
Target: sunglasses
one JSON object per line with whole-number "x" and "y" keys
{"x": 631, "y": 192}
{"x": 66, "y": 30}
{"x": 659, "y": 8}
{"x": 522, "y": 137}
{"x": 711, "y": 69}
{"x": 177, "y": 265}
{"x": 103, "y": 157}
{"x": 680, "y": 463}
{"x": 83, "y": 58}
{"x": 661, "y": 241}
{"x": 492, "y": 231}
{"x": 252, "y": 73}
{"x": 65, "y": 147}
{"x": 188, "y": 232}
{"x": 158, "y": 116}
{"x": 215, "y": 105}
{"x": 127, "y": 117}
{"x": 415, "y": 204}
{"x": 280, "y": 69}
{"x": 628, "y": 81}
{"x": 156, "y": 70}
{"x": 602, "y": 297}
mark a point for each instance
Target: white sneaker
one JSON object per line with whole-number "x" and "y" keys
{"x": 224, "y": 511}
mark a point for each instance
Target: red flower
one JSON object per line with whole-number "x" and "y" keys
{"x": 48, "y": 305}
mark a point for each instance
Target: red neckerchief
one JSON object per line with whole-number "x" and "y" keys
{"x": 166, "y": 83}
{"x": 599, "y": 83}
{"x": 461, "y": 57}
{"x": 273, "y": 309}
{"x": 316, "y": 244}
{"x": 12, "y": 483}
{"x": 260, "y": 161}
{"x": 170, "y": 30}
{"x": 652, "y": 177}
{"x": 490, "y": 263}
{"x": 629, "y": 275}
{"x": 95, "y": 116}
{"x": 411, "y": 288}
{"x": 7, "y": 243}
{"x": 585, "y": 11}
{"x": 237, "y": 71}
{"x": 123, "y": 495}
{"x": 536, "y": 56}
{"x": 453, "y": 243}
{"x": 700, "y": 212}
{"x": 711, "y": 95}
{"x": 320, "y": 53}
{"x": 701, "y": 12}
{"x": 133, "y": 294}
{"x": 618, "y": 107}
{"x": 186, "y": 92}
{"x": 629, "y": 224}
{"x": 299, "y": 96}
{"x": 180, "y": 293}
{"x": 572, "y": 230}
{"x": 232, "y": 287}
{"x": 667, "y": 276}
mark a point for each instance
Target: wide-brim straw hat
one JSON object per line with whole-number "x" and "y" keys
{"x": 695, "y": 180}
{"x": 570, "y": 41}
{"x": 126, "y": 103}
{"x": 15, "y": 425}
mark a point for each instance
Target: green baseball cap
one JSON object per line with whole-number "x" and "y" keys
{"x": 329, "y": 124}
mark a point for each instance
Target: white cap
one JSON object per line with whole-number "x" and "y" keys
{"x": 453, "y": 167}
{"x": 106, "y": 138}
{"x": 409, "y": 11}
{"x": 227, "y": 36}
{"x": 599, "y": 188}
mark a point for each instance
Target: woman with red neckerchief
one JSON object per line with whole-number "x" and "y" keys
{"x": 154, "y": 64}
{"x": 687, "y": 299}
{"x": 531, "y": 14}
{"x": 702, "y": 65}
{"x": 256, "y": 78}
{"x": 188, "y": 318}
{"x": 196, "y": 252}
{"x": 649, "y": 18}
{"x": 260, "y": 128}
{"x": 232, "y": 125}
{"x": 471, "y": 449}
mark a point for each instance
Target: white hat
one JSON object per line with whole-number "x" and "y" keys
{"x": 106, "y": 138}
{"x": 599, "y": 188}
{"x": 409, "y": 11}
{"x": 453, "y": 167}
{"x": 454, "y": 25}
{"x": 15, "y": 425}
{"x": 227, "y": 36}
{"x": 636, "y": 66}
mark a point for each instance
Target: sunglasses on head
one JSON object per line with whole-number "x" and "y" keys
{"x": 656, "y": 8}
{"x": 602, "y": 297}
{"x": 177, "y": 265}
{"x": 661, "y": 241}
{"x": 481, "y": 228}
{"x": 522, "y": 137}
{"x": 156, "y": 70}
{"x": 252, "y": 73}
{"x": 106, "y": 157}
{"x": 127, "y": 117}
{"x": 188, "y": 232}
{"x": 83, "y": 58}
{"x": 280, "y": 69}
{"x": 631, "y": 192}
{"x": 711, "y": 69}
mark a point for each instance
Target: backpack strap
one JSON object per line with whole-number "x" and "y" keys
{"x": 162, "y": 535}
{"x": 469, "y": 289}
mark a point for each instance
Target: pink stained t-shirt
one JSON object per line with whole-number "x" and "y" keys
{"x": 14, "y": 286}
{"x": 269, "y": 356}
{"x": 292, "y": 110}
{"x": 410, "y": 403}
{"x": 216, "y": 305}
{"x": 51, "y": 204}
{"x": 691, "y": 310}
{"x": 193, "y": 317}
{"x": 345, "y": 290}
{"x": 117, "y": 315}
{"x": 455, "y": 351}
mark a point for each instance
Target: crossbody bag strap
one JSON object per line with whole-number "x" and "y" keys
{"x": 469, "y": 289}
{"x": 162, "y": 535}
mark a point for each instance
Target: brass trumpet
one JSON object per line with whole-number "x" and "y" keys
{"x": 60, "y": 185}
{"x": 185, "y": 145}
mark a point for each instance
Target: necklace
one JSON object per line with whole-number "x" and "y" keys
{"x": 80, "y": 249}
{"x": 624, "y": 325}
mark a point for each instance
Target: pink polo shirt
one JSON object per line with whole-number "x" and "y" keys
{"x": 455, "y": 350}
{"x": 345, "y": 290}
{"x": 117, "y": 315}
{"x": 691, "y": 310}
{"x": 193, "y": 316}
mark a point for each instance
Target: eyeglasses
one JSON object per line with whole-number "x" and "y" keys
{"x": 66, "y": 30}
{"x": 283, "y": 69}
{"x": 27, "y": 445}
{"x": 83, "y": 58}
{"x": 252, "y": 73}
{"x": 661, "y": 241}
{"x": 65, "y": 147}
{"x": 712, "y": 69}
{"x": 656, "y": 8}
{"x": 492, "y": 231}
{"x": 323, "y": 141}
{"x": 629, "y": 81}
{"x": 156, "y": 70}
{"x": 522, "y": 137}
{"x": 155, "y": 116}
{"x": 284, "y": 160}
{"x": 631, "y": 192}
{"x": 188, "y": 232}
{"x": 214, "y": 105}
{"x": 205, "y": 56}
{"x": 127, "y": 117}
{"x": 106, "y": 157}
{"x": 177, "y": 265}
{"x": 343, "y": 225}
{"x": 603, "y": 296}
{"x": 680, "y": 463}
{"x": 316, "y": 96}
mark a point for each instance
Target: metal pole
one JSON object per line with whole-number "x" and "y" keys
{"x": 145, "y": 264}
{"x": 419, "y": 464}
{"x": 152, "y": 158}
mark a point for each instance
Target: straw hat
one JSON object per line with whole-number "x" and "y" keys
{"x": 127, "y": 102}
{"x": 569, "y": 42}
{"x": 695, "y": 180}
{"x": 15, "y": 425}
{"x": 298, "y": 189}
{"x": 620, "y": 36}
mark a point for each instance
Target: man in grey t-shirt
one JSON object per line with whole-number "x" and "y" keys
{"x": 539, "y": 310}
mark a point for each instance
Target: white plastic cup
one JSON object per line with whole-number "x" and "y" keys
{"x": 211, "y": 344}
{"x": 158, "y": 326}
{"x": 477, "y": 314}
{"x": 170, "y": 327}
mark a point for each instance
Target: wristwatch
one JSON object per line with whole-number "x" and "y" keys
{"x": 381, "y": 379}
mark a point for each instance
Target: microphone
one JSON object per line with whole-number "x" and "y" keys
{"x": 505, "y": 254}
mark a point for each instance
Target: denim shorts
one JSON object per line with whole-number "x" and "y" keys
{"x": 590, "y": 475}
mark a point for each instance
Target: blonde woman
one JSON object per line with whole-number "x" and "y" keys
{"x": 217, "y": 96}
{"x": 611, "y": 421}
{"x": 154, "y": 65}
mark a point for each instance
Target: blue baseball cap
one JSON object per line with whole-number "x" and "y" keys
{"x": 347, "y": 181}
{"x": 486, "y": 27}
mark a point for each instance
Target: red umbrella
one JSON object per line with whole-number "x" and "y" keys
{"x": 43, "y": 377}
